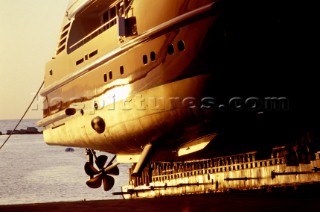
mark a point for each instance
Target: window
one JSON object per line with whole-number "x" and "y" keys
{"x": 145, "y": 59}
{"x": 181, "y": 45}
{"x": 121, "y": 70}
{"x": 171, "y": 49}
{"x": 153, "y": 56}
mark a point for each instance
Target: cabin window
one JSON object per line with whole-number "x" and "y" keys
{"x": 93, "y": 53}
{"x": 80, "y": 61}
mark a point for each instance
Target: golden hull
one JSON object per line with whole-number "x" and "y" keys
{"x": 148, "y": 91}
{"x": 130, "y": 124}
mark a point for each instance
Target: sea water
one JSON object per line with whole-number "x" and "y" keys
{"x": 34, "y": 172}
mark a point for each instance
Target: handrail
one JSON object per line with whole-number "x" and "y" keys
{"x": 93, "y": 32}
{"x": 99, "y": 28}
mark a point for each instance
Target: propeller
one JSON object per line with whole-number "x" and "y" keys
{"x": 102, "y": 174}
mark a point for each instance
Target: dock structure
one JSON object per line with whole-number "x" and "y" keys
{"x": 222, "y": 174}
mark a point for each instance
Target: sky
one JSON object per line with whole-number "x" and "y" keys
{"x": 29, "y": 32}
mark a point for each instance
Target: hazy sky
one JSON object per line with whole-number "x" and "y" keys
{"x": 29, "y": 31}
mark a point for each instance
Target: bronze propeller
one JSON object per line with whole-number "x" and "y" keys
{"x": 102, "y": 174}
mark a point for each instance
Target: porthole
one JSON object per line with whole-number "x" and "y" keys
{"x": 121, "y": 70}
{"x": 105, "y": 78}
{"x": 181, "y": 45}
{"x": 145, "y": 59}
{"x": 110, "y": 75}
{"x": 95, "y": 105}
{"x": 171, "y": 49}
{"x": 153, "y": 56}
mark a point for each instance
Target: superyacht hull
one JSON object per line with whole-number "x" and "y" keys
{"x": 149, "y": 116}
{"x": 184, "y": 90}
{"x": 141, "y": 90}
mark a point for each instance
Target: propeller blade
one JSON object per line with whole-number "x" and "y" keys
{"x": 108, "y": 182}
{"x": 90, "y": 170}
{"x": 101, "y": 161}
{"x": 114, "y": 170}
{"x": 95, "y": 182}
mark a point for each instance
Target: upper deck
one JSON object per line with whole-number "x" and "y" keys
{"x": 94, "y": 19}
{"x": 92, "y": 29}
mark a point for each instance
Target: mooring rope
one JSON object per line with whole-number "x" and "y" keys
{"x": 34, "y": 98}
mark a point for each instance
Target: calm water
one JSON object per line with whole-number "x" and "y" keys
{"x": 33, "y": 172}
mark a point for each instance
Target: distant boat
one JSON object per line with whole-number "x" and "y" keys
{"x": 69, "y": 149}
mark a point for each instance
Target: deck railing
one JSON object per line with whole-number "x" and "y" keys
{"x": 94, "y": 33}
